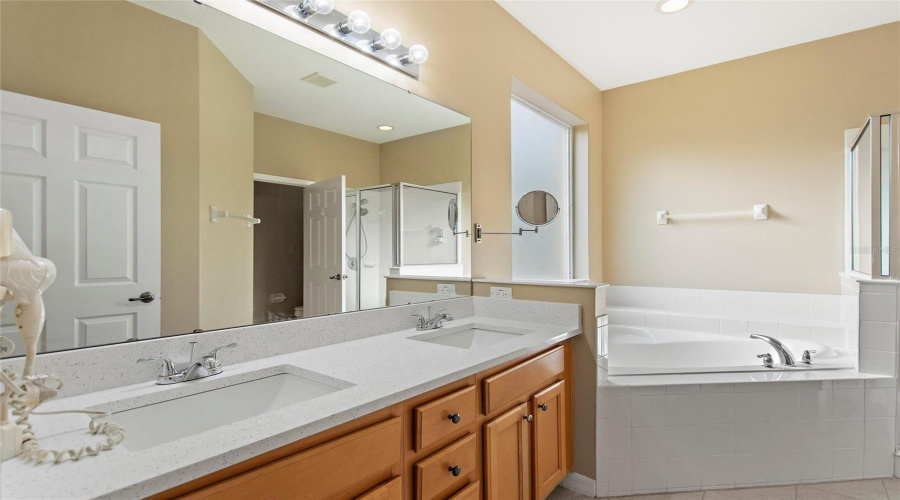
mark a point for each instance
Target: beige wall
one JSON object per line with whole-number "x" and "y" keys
{"x": 434, "y": 158}
{"x": 43, "y": 44}
{"x": 289, "y": 149}
{"x": 226, "y": 181}
{"x": 764, "y": 129}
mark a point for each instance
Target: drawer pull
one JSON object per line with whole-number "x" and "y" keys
{"x": 455, "y": 470}
{"x": 529, "y": 418}
{"x": 543, "y": 406}
{"x": 455, "y": 417}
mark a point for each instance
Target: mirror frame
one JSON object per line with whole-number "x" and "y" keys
{"x": 519, "y": 214}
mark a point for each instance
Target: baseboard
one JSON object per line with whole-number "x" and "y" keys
{"x": 579, "y": 484}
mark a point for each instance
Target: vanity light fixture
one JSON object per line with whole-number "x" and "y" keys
{"x": 385, "y": 128}
{"x": 356, "y": 22}
{"x": 308, "y": 8}
{"x": 353, "y": 30}
{"x": 417, "y": 54}
{"x": 388, "y": 39}
{"x": 672, "y": 6}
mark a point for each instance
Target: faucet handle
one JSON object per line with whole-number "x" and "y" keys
{"x": 807, "y": 356}
{"x": 768, "y": 362}
{"x": 211, "y": 360}
{"x": 167, "y": 364}
{"x": 214, "y": 354}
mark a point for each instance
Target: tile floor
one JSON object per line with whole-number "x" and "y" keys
{"x": 869, "y": 489}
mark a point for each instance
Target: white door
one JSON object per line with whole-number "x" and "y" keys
{"x": 323, "y": 247}
{"x": 84, "y": 190}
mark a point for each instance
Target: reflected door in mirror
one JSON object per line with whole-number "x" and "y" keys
{"x": 84, "y": 190}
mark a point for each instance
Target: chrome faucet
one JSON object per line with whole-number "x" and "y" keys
{"x": 785, "y": 355}
{"x": 432, "y": 323}
{"x": 173, "y": 373}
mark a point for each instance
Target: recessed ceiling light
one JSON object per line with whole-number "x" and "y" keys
{"x": 385, "y": 128}
{"x": 672, "y": 6}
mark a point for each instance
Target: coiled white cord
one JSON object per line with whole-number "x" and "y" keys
{"x": 26, "y": 396}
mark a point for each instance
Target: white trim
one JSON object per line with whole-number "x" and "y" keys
{"x": 275, "y": 179}
{"x": 579, "y": 484}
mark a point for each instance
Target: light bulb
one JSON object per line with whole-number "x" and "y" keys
{"x": 388, "y": 39}
{"x": 356, "y": 22}
{"x": 417, "y": 54}
{"x": 672, "y": 6}
{"x": 312, "y": 7}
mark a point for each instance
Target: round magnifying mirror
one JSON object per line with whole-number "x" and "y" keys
{"x": 453, "y": 214}
{"x": 537, "y": 208}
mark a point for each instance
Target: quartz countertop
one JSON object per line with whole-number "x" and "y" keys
{"x": 378, "y": 372}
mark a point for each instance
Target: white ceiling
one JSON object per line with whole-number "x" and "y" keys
{"x": 616, "y": 42}
{"x": 355, "y": 106}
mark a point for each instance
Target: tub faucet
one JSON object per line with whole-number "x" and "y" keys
{"x": 786, "y": 357}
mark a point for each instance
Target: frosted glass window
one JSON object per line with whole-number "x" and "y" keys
{"x": 541, "y": 161}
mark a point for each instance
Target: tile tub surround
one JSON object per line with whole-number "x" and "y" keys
{"x": 863, "y": 319}
{"x": 868, "y": 489}
{"x": 383, "y": 370}
{"x": 677, "y": 438}
{"x": 737, "y": 313}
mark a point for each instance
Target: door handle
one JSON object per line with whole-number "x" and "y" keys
{"x": 145, "y": 297}
{"x": 338, "y": 277}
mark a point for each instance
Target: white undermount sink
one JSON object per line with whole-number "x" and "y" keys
{"x": 155, "y": 424}
{"x": 471, "y": 338}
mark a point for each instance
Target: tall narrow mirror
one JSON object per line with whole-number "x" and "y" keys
{"x": 188, "y": 171}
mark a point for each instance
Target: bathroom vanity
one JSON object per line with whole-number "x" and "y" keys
{"x": 503, "y": 432}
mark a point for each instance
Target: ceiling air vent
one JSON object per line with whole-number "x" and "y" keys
{"x": 319, "y": 80}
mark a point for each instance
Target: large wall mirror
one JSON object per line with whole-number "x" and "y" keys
{"x": 188, "y": 171}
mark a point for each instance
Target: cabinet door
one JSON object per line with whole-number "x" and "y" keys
{"x": 507, "y": 456}
{"x": 550, "y": 417}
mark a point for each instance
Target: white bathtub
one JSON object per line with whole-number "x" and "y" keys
{"x": 640, "y": 351}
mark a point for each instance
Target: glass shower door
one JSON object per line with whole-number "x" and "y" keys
{"x": 425, "y": 237}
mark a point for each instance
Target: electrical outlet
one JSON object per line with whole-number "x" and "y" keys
{"x": 500, "y": 292}
{"x": 444, "y": 289}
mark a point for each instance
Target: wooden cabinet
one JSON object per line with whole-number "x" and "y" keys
{"x": 446, "y": 471}
{"x": 340, "y": 468}
{"x": 470, "y": 492}
{"x": 445, "y": 416}
{"x": 526, "y": 447}
{"x": 522, "y": 379}
{"x": 550, "y": 443}
{"x": 507, "y": 456}
{"x": 390, "y": 490}
{"x": 502, "y": 434}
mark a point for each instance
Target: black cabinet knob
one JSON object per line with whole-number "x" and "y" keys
{"x": 528, "y": 418}
{"x": 455, "y": 417}
{"x": 543, "y": 406}
{"x": 455, "y": 470}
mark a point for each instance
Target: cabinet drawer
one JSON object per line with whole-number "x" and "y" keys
{"x": 391, "y": 490}
{"x": 470, "y": 492}
{"x": 435, "y": 420}
{"x": 434, "y": 476}
{"x": 523, "y": 379}
{"x": 325, "y": 471}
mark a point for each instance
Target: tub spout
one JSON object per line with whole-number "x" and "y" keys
{"x": 784, "y": 355}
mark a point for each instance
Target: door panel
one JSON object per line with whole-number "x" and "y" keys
{"x": 324, "y": 246}
{"x": 84, "y": 190}
{"x": 507, "y": 459}
{"x": 550, "y": 419}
